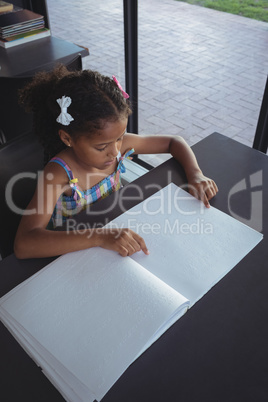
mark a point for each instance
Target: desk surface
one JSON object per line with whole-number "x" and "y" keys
{"x": 218, "y": 350}
{"x": 37, "y": 55}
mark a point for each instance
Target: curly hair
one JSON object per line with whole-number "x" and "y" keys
{"x": 96, "y": 99}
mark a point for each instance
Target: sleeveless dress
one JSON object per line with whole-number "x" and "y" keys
{"x": 68, "y": 206}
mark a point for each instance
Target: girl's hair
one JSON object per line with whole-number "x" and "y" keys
{"x": 95, "y": 100}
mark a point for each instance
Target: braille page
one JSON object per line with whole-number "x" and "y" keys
{"x": 69, "y": 386}
{"x": 191, "y": 247}
{"x": 90, "y": 313}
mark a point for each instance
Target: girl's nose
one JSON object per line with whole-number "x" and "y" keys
{"x": 113, "y": 150}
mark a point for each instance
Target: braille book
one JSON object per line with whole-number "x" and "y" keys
{"x": 88, "y": 315}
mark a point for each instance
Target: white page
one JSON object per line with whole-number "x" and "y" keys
{"x": 69, "y": 386}
{"x": 95, "y": 344}
{"x": 197, "y": 245}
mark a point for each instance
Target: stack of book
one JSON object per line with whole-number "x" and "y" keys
{"x": 20, "y": 26}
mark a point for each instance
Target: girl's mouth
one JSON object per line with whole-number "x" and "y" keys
{"x": 109, "y": 163}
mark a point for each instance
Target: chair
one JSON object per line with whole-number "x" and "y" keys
{"x": 22, "y": 156}
{"x": 261, "y": 136}
{"x": 14, "y": 121}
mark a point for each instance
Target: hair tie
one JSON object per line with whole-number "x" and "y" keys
{"x": 64, "y": 117}
{"x": 125, "y": 95}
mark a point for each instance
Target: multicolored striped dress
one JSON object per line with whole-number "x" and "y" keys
{"x": 68, "y": 206}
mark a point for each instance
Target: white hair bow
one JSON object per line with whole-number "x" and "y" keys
{"x": 64, "y": 117}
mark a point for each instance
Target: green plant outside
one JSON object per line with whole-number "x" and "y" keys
{"x": 256, "y": 9}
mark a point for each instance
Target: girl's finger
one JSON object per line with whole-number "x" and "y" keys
{"x": 142, "y": 244}
{"x": 210, "y": 193}
{"x": 122, "y": 250}
{"x": 215, "y": 187}
{"x": 205, "y": 199}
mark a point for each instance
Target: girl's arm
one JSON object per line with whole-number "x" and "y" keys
{"x": 33, "y": 240}
{"x": 199, "y": 185}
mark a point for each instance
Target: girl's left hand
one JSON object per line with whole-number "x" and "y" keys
{"x": 202, "y": 188}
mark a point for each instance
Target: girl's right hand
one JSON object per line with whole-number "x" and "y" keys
{"x": 124, "y": 241}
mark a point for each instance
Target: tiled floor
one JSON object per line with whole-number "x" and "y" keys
{"x": 200, "y": 70}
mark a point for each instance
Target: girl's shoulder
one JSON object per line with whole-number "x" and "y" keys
{"x": 128, "y": 143}
{"x": 56, "y": 171}
{"x": 141, "y": 143}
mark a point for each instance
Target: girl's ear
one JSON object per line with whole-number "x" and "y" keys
{"x": 65, "y": 137}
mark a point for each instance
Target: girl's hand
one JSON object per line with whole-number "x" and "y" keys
{"x": 124, "y": 241}
{"x": 202, "y": 187}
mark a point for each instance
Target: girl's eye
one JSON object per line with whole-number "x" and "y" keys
{"x": 103, "y": 148}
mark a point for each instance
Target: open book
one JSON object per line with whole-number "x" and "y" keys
{"x": 88, "y": 315}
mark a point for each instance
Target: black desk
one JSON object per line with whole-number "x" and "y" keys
{"x": 218, "y": 351}
{"x": 38, "y": 55}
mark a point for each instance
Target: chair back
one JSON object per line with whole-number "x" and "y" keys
{"x": 20, "y": 160}
{"x": 14, "y": 121}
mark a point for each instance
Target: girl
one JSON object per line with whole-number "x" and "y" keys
{"x": 81, "y": 119}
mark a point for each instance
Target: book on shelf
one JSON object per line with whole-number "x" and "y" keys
{"x": 88, "y": 315}
{"x": 5, "y": 7}
{"x": 24, "y": 38}
{"x": 21, "y": 21}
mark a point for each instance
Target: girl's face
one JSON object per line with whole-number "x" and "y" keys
{"x": 100, "y": 151}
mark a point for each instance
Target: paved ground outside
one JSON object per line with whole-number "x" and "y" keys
{"x": 200, "y": 70}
